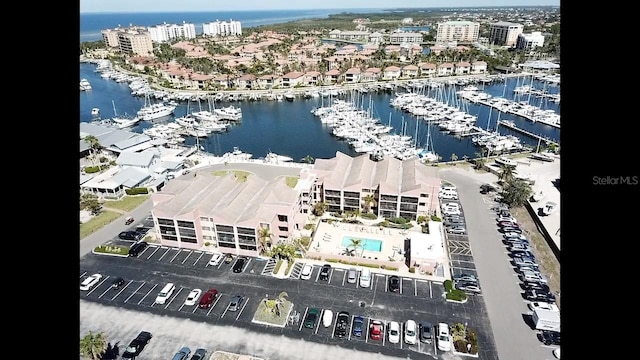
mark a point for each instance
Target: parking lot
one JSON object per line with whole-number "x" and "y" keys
{"x": 417, "y": 299}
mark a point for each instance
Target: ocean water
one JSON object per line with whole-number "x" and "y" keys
{"x": 92, "y": 23}
{"x": 289, "y": 128}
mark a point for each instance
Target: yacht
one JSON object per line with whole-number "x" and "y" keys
{"x": 85, "y": 85}
{"x": 289, "y": 96}
{"x": 274, "y": 158}
{"x": 228, "y": 113}
{"x": 237, "y": 154}
{"x": 503, "y": 160}
{"x": 95, "y": 112}
{"x": 154, "y": 111}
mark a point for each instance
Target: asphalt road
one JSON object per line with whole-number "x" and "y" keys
{"x": 503, "y": 299}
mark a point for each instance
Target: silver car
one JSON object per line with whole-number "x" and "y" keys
{"x": 352, "y": 275}
{"x": 236, "y": 303}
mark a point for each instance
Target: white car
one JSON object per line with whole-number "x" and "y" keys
{"x": 216, "y": 259}
{"x": 543, "y": 305}
{"x": 410, "y": 332}
{"x": 394, "y": 332}
{"x": 193, "y": 297}
{"x": 444, "y": 339}
{"x": 90, "y": 282}
{"x": 305, "y": 274}
{"x": 451, "y": 211}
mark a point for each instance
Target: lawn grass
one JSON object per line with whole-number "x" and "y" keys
{"x": 127, "y": 203}
{"x": 112, "y": 249}
{"x": 240, "y": 175}
{"x": 98, "y": 222}
{"x": 264, "y": 315}
{"x": 291, "y": 181}
{"x": 549, "y": 264}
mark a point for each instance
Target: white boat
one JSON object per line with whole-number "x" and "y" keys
{"x": 537, "y": 196}
{"x": 542, "y": 157}
{"x": 237, "y": 154}
{"x": 503, "y": 160}
{"x": 289, "y": 96}
{"x": 274, "y": 158}
{"x": 85, "y": 85}
{"x": 155, "y": 111}
{"x": 228, "y": 113}
{"x": 95, "y": 112}
{"x": 122, "y": 122}
{"x": 279, "y": 97}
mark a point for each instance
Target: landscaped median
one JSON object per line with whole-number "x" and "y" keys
{"x": 111, "y": 250}
{"x": 465, "y": 340}
{"x": 454, "y": 295}
{"x": 273, "y": 312}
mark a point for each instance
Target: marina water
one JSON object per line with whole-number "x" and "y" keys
{"x": 289, "y": 128}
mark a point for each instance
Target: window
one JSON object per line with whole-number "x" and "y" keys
{"x": 165, "y": 222}
{"x": 224, "y": 228}
{"x": 283, "y": 228}
{"x": 187, "y": 224}
{"x": 207, "y": 237}
{"x": 207, "y": 228}
{"x": 282, "y": 218}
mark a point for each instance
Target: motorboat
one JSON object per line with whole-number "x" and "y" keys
{"x": 542, "y": 157}
{"x": 231, "y": 112}
{"x": 503, "y": 160}
{"x": 289, "y": 96}
{"x": 237, "y": 154}
{"x": 95, "y": 112}
{"x": 85, "y": 85}
{"x": 274, "y": 158}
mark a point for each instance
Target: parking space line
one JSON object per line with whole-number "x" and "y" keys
{"x": 334, "y": 328}
{"x": 145, "y": 295}
{"x": 401, "y": 286}
{"x": 246, "y": 265}
{"x": 173, "y": 298}
{"x": 351, "y": 327}
{"x": 83, "y": 274}
{"x": 415, "y": 287}
{"x": 366, "y": 336}
{"x": 344, "y": 277}
{"x": 104, "y": 292}
{"x": 181, "y": 306}
{"x": 384, "y": 331}
{"x": 96, "y": 286}
{"x": 435, "y": 349}
{"x": 357, "y": 279}
{"x": 135, "y": 292}
{"x": 317, "y": 276}
{"x": 165, "y": 253}
{"x": 430, "y": 290}
{"x": 198, "y": 259}
{"x": 246, "y": 301}
{"x": 175, "y": 256}
{"x": 121, "y": 290}
{"x": 319, "y": 321}
{"x": 154, "y": 251}
{"x": 386, "y": 283}
{"x": 400, "y": 335}
{"x": 221, "y": 262}
{"x": 214, "y": 304}
{"x": 303, "y": 317}
{"x": 330, "y": 275}
{"x": 225, "y": 311}
{"x": 185, "y": 259}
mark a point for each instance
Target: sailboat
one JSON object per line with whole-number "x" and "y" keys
{"x": 427, "y": 155}
{"x": 123, "y": 122}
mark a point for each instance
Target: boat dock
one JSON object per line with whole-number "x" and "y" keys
{"x": 513, "y": 127}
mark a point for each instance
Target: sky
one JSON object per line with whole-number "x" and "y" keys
{"x": 87, "y": 6}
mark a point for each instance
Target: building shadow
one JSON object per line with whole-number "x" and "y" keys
{"x": 528, "y": 319}
{"x": 111, "y": 352}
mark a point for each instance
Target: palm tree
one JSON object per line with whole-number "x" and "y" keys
{"x": 355, "y": 244}
{"x": 93, "y": 345}
{"x": 264, "y": 237}
{"x": 369, "y": 202}
{"x": 308, "y": 159}
{"x": 319, "y": 208}
{"x": 506, "y": 173}
{"x": 516, "y": 193}
{"x": 94, "y": 145}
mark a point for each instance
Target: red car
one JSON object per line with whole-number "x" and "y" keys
{"x": 128, "y": 220}
{"x": 376, "y": 329}
{"x": 207, "y": 299}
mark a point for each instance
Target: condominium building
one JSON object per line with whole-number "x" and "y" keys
{"x": 405, "y": 38}
{"x": 505, "y": 33}
{"x": 530, "y": 41}
{"x": 135, "y": 42}
{"x": 110, "y": 36}
{"x": 165, "y": 32}
{"x": 222, "y": 28}
{"x": 461, "y": 31}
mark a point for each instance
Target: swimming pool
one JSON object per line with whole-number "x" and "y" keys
{"x": 367, "y": 244}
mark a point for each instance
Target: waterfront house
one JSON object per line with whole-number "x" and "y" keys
{"x": 200, "y": 81}
{"x": 112, "y": 184}
{"x": 409, "y": 71}
{"x": 392, "y": 49}
{"x": 293, "y": 79}
{"x": 312, "y": 78}
{"x": 332, "y": 76}
{"x": 405, "y": 38}
{"x": 223, "y": 81}
{"x": 371, "y": 74}
{"x": 376, "y": 38}
{"x": 352, "y": 75}
{"x": 445, "y": 69}
{"x": 462, "y": 68}
{"x": 334, "y": 62}
{"x": 437, "y": 49}
{"x": 268, "y": 81}
{"x": 391, "y": 73}
{"x": 413, "y": 50}
{"x": 478, "y": 67}
{"x": 246, "y": 81}
{"x": 427, "y": 69}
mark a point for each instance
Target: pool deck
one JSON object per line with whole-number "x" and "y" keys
{"x": 327, "y": 241}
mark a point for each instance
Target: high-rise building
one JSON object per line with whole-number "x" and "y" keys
{"x": 135, "y": 42}
{"x": 460, "y": 31}
{"x": 222, "y": 28}
{"x": 505, "y": 33}
{"x": 165, "y": 32}
{"x": 530, "y": 41}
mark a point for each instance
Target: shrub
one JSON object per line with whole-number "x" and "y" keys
{"x": 207, "y": 243}
{"x": 460, "y": 346}
{"x": 435, "y": 218}
{"x": 309, "y": 226}
{"x": 412, "y": 269}
{"x": 448, "y": 285}
{"x": 331, "y": 260}
{"x": 112, "y": 249}
{"x": 399, "y": 220}
{"x": 456, "y": 295}
{"x": 277, "y": 267}
{"x": 392, "y": 268}
{"x": 93, "y": 169}
{"x": 104, "y": 159}
{"x": 137, "y": 191}
{"x": 369, "y": 216}
{"x": 369, "y": 265}
{"x": 421, "y": 219}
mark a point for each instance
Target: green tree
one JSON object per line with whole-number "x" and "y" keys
{"x": 94, "y": 146}
{"x": 308, "y": 159}
{"x": 516, "y": 193}
{"x": 506, "y": 173}
{"x": 369, "y": 202}
{"x": 90, "y": 202}
{"x": 319, "y": 208}
{"x": 264, "y": 238}
{"x": 355, "y": 244}
{"x": 93, "y": 345}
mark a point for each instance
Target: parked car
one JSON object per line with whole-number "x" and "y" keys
{"x": 311, "y": 318}
{"x": 528, "y": 285}
{"x": 216, "y": 259}
{"x": 342, "y": 324}
{"x": 137, "y": 345}
{"x": 207, "y": 299}
{"x": 550, "y": 337}
{"x": 324, "y": 272}
{"x": 469, "y": 287}
{"x": 365, "y": 278}
{"x": 410, "y": 332}
{"x": 394, "y": 332}
{"x": 358, "y": 325}
{"x": 236, "y": 303}
{"x": 137, "y": 248}
{"x": 305, "y": 274}
{"x": 454, "y": 223}
{"x": 117, "y": 283}
{"x": 239, "y": 265}
{"x": 465, "y": 277}
{"x": 352, "y": 275}
{"x": 394, "y": 283}
{"x": 458, "y": 230}
{"x": 444, "y": 339}
{"x": 426, "y": 332}
{"x": 535, "y": 295}
{"x": 542, "y": 305}
{"x": 376, "y": 328}
{"x": 327, "y": 318}
{"x": 129, "y": 235}
{"x": 193, "y": 296}
{"x": 511, "y": 229}
{"x": 91, "y": 281}
{"x": 503, "y": 224}
{"x": 199, "y": 354}
{"x": 520, "y": 253}
{"x": 182, "y": 354}
{"x": 508, "y": 218}
{"x": 451, "y": 211}
{"x": 487, "y": 189}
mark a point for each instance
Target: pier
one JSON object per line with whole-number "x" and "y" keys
{"x": 511, "y": 126}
